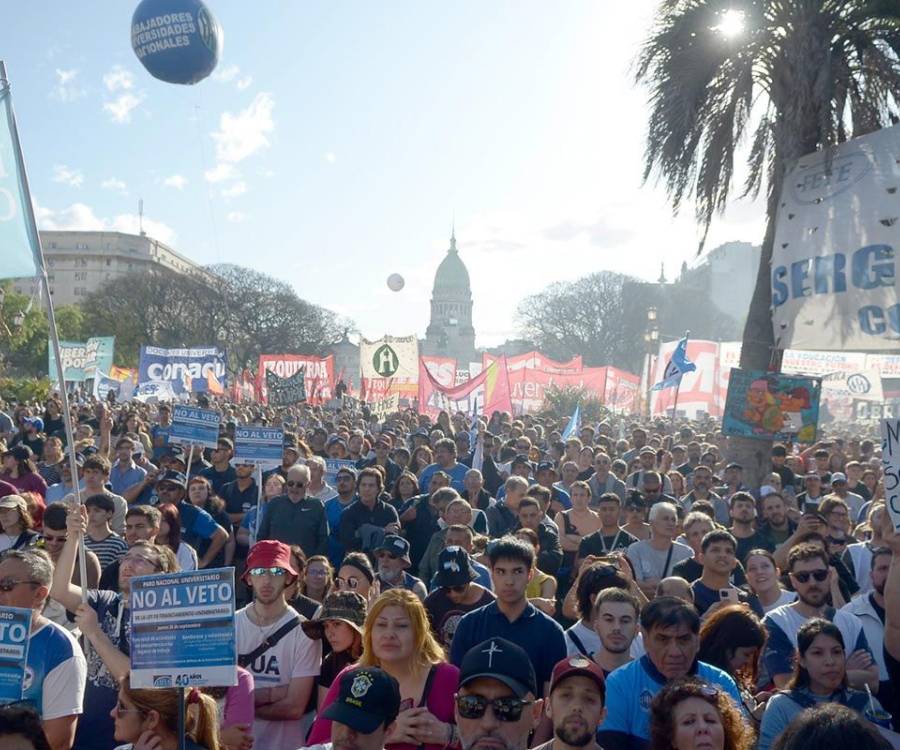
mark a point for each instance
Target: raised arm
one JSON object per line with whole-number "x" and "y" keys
{"x": 62, "y": 589}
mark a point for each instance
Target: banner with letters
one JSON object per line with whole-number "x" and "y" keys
{"x": 319, "y": 374}
{"x": 389, "y": 365}
{"x": 771, "y": 406}
{"x": 193, "y": 426}
{"x": 186, "y": 370}
{"x": 837, "y": 233}
{"x": 528, "y": 386}
{"x": 621, "y": 391}
{"x": 484, "y": 394}
{"x": 442, "y": 369}
{"x": 261, "y": 446}
{"x": 15, "y": 630}
{"x": 80, "y": 359}
{"x": 890, "y": 459}
{"x": 286, "y": 391}
{"x": 534, "y": 360}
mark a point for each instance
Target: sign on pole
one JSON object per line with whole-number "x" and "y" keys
{"x": 286, "y": 391}
{"x": 334, "y": 465}
{"x": 261, "y": 446}
{"x": 771, "y": 406}
{"x": 182, "y": 629}
{"x": 15, "y": 627}
{"x": 890, "y": 457}
{"x": 193, "y": 426}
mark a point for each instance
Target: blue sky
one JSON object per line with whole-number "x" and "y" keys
{"x": 337, "y": 141}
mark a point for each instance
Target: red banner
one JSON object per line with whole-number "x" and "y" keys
{"x": 319, "y": 374}
{"x": 442, "y": 369}
{"x": 528, "y": 386}
{"x": 537, "y": 361}
{"x": 487, "y": 392}
{"x": 700, "y": 390}
{"x": 621, "y": 391}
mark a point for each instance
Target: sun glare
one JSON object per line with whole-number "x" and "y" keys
{"x": 732, "y": 23}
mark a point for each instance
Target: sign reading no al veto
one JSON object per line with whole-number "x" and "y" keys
{"x": 385, "y": 361}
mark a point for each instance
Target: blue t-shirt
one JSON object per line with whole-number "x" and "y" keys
{"x": 54, "y": 673}
{"x": 629, "y": 691}
{"x": 196, "y": 524}
{"x": 457, "y": 474}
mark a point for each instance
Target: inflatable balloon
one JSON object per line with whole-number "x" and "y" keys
{"x": 395, "y": 282}
{"x": 177, "y": 41}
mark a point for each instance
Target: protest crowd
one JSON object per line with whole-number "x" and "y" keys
{"x": 409, "y": 582}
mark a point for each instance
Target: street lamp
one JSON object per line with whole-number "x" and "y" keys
{"x": 651, "y": 341}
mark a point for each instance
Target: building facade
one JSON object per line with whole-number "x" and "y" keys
{"x": 79, "y": 263}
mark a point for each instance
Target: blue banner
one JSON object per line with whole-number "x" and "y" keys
{"x": 15, "y": 627}
{"x": 191, "y": 425}
{"x": 182, "y": 629}
{"x": 334, "y": 465}
{"x": 187, "y": 370}
{"x": 262, "y": 446}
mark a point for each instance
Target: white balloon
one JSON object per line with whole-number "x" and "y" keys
{"x": 395, "y": 282}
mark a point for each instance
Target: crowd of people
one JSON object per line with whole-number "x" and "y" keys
{"x": 456, "y": 584}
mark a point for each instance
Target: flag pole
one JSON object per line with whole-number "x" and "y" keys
{"x": 687, "y": 335}
{"x": 54, "y": 333}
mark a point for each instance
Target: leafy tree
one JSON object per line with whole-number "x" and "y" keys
{"x": 560, "y": 403}
{"x": 796, "y": 77}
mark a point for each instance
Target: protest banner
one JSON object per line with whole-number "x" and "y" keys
{"x": 442, "y": 369}
{"x": 699, "y": 389}
{"x": 834, "y": 279}
{"x": 185, "y": 370}
{"x": 841, "y": 391}
{"x": 319, "y": 374}
{"x": 334, "y": 465}
{"x": 535, "y": 360}
{"x": 15, "y": 628}
{"x": 486, "y": 393}
{"x": 621, "y": 391}
{"x": 890, "y": 458}
{"x": 286, "y": 391}
{"x": 389, "y": 365}
{"x": 193, "y": 426}
{"x": 261, "y": 446}
{"x": 528, "y": 386}
{"x": 182, "y": 629}
{"x": 104, "y": 384}
{"x": 80, "y": 360}
{"x": 387, "y": 405}
{"x": 771, "y": 406}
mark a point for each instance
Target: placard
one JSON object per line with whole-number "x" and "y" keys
{"x": 334, "y": 465}
{"x": 890, "y": 458}
{"x": 261, "y": 446}
{"x": 15, "y": 628}
{"x": 193, "y": 426}
{"x": 771, "y": 406}
{"x": 286, "y": 391}
{"x": 182, "y": 629}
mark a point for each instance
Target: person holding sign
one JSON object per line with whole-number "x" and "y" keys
{"x": 56, "y": 668}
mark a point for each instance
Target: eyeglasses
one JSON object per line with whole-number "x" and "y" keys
{"x": 505, "y": 709}
{"x": 295, "y": 484}
{"x": 121, "y": 708}
{"x": 317, "y": 573}
{"x": 277, "y": 572}
{"x": 351, "y": 583}
{"x": 804, "y": 576}
{"x": 135, "y": 559}
{"x": 8, "y": 584}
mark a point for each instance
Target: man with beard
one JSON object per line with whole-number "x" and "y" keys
{"x": 368, "y": 702}
{"x": 575, "y": 704}
{"x": 869, "y": 608}
{"x": 702, "y": 478}
{"x": 392, "y": 556}
{"x": 497, "y": 706}
{"x": 615, "y": 616}
{"x": 776, "y": 527}
{"x": 810, "y": 575}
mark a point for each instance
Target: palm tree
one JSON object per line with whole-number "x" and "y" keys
{"x": 784, "y": 77}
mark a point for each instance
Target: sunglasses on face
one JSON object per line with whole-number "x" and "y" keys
{"x": 277, "y": 572}
{"x": 818, "y": 575}
{"x": 350, "y": 583}
{"x": 505, "y": 709}
{"x": 295, "y": 484}
{"x": 8, "y": 584}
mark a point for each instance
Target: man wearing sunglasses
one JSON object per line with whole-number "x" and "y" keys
{"x": 497, "y": 706}
{"x": 294, "y": 518}
{"x": 810, "y": 574}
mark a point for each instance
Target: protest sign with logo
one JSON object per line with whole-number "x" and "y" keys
{"x": 333, "y": 466}
{"x": 182, "y": 629}
{"x": 286, "y": 391}
{"x": 185, "y": 370}
{"x": 841, "y": 391}
{"x": 261, "y": 446}
{"x": 193, "y": 426}
{"x": 80, "y": 360}
{"x": 387, "y": 405}
{"x": 319, "y": 374}
{"x": 389, "y": 365}
{"x": 15, "y": 627}
{"x": 771, "y": 406}
{"x": 486, "y": 393}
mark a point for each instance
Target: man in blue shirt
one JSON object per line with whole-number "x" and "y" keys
{"x": 511, "y": 616}
{"x": 445, "y": 460}
{"x": 125, "y": 474}
{"x": 671, "y": 631}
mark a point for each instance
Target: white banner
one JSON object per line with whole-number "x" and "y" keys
{"x": 389, "y": 365}
{"x": 834, "y": 281}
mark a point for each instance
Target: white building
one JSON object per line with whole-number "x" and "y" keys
{"x": 79, "y": 263}
{"x": 727, "y": 276}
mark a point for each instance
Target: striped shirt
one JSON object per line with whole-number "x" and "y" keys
{"x": 108, "y": 550}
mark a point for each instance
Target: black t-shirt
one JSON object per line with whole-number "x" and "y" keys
{"x": 445, "y": 615}
{"x": 755, "y": 541}
{"x": 691, "y": 570}
{"x": 705, "y": 597}
{"x": 332, "y": 665}
{"x": 598, "y": 544}
{"x": 891, "y": 701}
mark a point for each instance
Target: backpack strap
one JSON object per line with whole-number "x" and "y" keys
{"x": 270, "y": 641}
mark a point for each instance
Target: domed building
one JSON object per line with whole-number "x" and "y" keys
{"x": 450, "y": 332}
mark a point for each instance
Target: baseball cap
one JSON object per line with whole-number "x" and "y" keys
{"x": 838, "y": 476}
{"x": 35, "y": 422}
{"x": 13, "y": 501}
{"x": 454, "y": 568}
{"x": 20, "y": 453}
{"x": 269, "y": 553}
{"x": 647, "y": 450}
{"x": 174, "y": 450}
{"x": 766, "y": 490}
{"x": 501, "y": 660}
{"x": 173, "y": 477}
{"x": 396, "y": 545}
{"x": 734, "y": 465}
{"x": 545, "y": 466}
{"x": 577, "y": 665}
{"x": 367, "y": 698}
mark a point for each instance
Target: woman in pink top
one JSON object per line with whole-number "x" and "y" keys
{"x": 19, "y": 470}
{"x": 236, "y": 712}
{"x": 398, "y": 639}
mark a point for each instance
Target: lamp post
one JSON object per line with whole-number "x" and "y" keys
{"x": 651, "y": 341}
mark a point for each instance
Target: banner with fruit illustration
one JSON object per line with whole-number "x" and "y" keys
{"x": 771, "y": 406}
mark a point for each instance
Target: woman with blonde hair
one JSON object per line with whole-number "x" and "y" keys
{"x": 398, "y": 639}
{"x": 148, "y": 719}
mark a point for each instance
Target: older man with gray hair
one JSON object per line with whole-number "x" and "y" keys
{"x": 318, "y": 487}
{"x": 654, "y": 558}
{"x": 296, "y": 518}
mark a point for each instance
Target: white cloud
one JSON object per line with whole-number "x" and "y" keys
{"x": 243, "y": 134}
{"x": 176, "y": 181}
{"x": 220, "y": 173}
{"x": 66, "y": 176}
{"x": 236, "y": 217}
{"x": 118, "y": 79}
{"x": 121, "y": 107}
{"x": 233, "y": 73}
{"x": 233, "y": 191}
{"x": 67, "y": 88}
{"x": 81, "y": 217}
{"x": 131, "y": 223}
{"x": 244, "y": 82}
{"x": 114, "y": 184}
{"x": 329, "y": 157}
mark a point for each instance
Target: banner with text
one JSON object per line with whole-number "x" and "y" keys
{"x": 319, "y": 372}
{"x": 621, "y": 393}
{"x": 260, "y": 446}
{"x": 486, "y": 393}
{"x": 286, "y": 391}
{"x": 81, "y": 359}
{"x": 528, "y": 386}
{"x": 193, "y": 426}
{"x": 534, "y": 360}
{"x": 186, "y": 370}
{"x": 15, "y": 629}
{"x": 442, "y": 369}
{"x": 389, "y": 365}
{"x": 890, "y": 459}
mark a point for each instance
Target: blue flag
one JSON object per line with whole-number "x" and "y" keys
{"x": 19, "y": 245}
{"x": 574, "y": 424}
{"x": 677, "y": 366}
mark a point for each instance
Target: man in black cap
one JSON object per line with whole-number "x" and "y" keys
{"x": 456, "y": 593}
{"x": 196, "y": 524}
{"x": 497, "y": 704}
{"x": 392, "y": 556}
{"x": 368, "y": 701}
{"x": 220, "y": 472}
